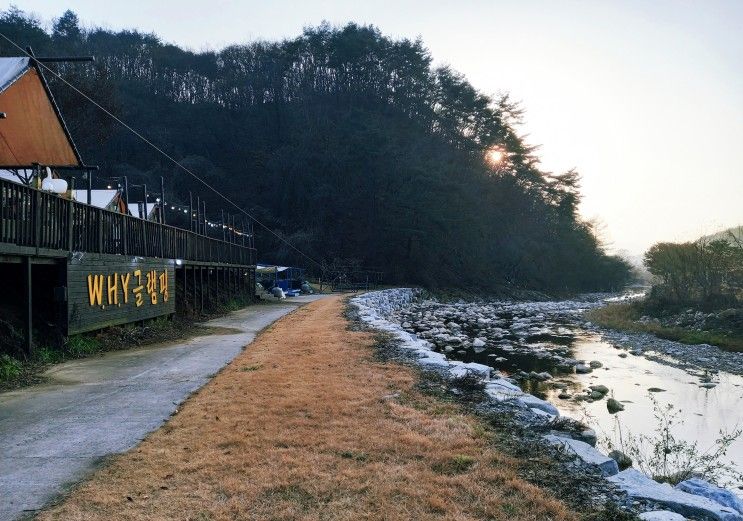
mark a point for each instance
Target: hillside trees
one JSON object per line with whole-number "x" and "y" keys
{"x": 704, "y": 271}
{"x": 348, "y": 141}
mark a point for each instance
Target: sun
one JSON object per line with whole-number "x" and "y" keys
{"x": 495, "y": 156}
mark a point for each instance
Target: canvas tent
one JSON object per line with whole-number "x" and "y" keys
{"x": 33, "y": 131}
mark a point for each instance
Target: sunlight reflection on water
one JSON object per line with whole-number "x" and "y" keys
{"x": 705, "y": 412}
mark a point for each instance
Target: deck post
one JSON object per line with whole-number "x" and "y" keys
{"x": 222, "y": 286}
{"x": 28, "y": 308}
{"x": 193, "y": 291}
{"x": 162, "y": 200}
{"x": 100, "y": 231}
{"x": 124, "y": 235}
{"x": 224, "y": 228}
{"x": 160, "y": 237}
{"x": 198, "y": 214}
{"x": 70, "y": 218}
{"x": 209, "y": 287}
{"x": 185, "y": 289}
{"x": 201, "y": 287}
{"x": 145, "y": 249}
{"x": 190, "y": 211}
{"x": 37, "y": 219}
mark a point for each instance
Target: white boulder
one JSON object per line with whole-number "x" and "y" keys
{"x": 638, "y": 485}
{"x": 700, "y": 487}
{"x": 661, "y": 515}
{"x": 585, "y": 452}
{"x": 460, "y": 369}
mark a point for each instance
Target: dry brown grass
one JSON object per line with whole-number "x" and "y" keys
{"x": 305, "y": 425}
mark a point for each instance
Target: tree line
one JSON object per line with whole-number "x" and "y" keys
{"x": 349, "y": 143}
{"x": 705, "y": 273}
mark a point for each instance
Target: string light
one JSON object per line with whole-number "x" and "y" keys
{"x": 179, "y": 208}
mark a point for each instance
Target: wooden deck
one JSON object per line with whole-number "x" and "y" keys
{"x": 38, "y": 223}
{"x": 94, "y": 254}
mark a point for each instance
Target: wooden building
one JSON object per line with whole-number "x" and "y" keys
{"x": 75, "y": 267}
{"x": 33, "y": 130}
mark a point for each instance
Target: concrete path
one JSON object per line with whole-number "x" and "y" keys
{"x": 55, "y": 434}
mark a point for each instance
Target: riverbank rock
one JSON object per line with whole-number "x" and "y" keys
{"x": 700, "y": 487}
{"x": 614, "y": 406}
{"x": 595, "y": 395}
{"x": 532, "y": 402}
{"x": 585, "y": 452}
{"x": 599, "y": 388}
{"x": 462, "y": 370}
{"x": 589, "y": 436}
{"x": 595, "y": 364}
{"x": 637, "y": 485}
{"x": 623, "y": 461}
{"x": 582, "y": 369}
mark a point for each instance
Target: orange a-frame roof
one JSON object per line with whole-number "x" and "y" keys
{"x": 32, "y": 131}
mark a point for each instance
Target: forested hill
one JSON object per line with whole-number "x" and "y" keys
{"x": 348, "y": 142}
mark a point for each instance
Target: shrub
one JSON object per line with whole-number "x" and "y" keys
{"x": 10, "y": 368}
{"x": 47, "y": 355}
{"x": 668, "y": 459}
{"x": 79, "y": 346}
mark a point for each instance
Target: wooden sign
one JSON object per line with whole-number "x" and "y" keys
{"x": 108, "y": 290}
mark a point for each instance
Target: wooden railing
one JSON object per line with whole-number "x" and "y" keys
{"x": 31, "y": 218}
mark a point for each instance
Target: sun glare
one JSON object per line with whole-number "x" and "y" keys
{"x": 494, "y": 156}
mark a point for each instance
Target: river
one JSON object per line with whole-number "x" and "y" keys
{"x": 522, "y": 339}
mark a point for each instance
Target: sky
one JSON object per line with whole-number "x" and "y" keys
{"x": 643, "y": 98}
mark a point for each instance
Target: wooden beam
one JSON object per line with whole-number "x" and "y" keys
{"x": 201, "y": 287}
{"x": 28, "y": 306}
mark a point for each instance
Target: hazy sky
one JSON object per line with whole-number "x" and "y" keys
{"x": 644, "y": 98}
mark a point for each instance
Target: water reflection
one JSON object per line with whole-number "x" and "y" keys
{"x": 704, "y": 411}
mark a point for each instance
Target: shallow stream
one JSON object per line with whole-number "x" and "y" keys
{"x": 537, "y": 337}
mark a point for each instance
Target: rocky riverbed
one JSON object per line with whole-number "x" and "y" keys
{"x": 700, "y": 357}
{"x": 541, "y": 358}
